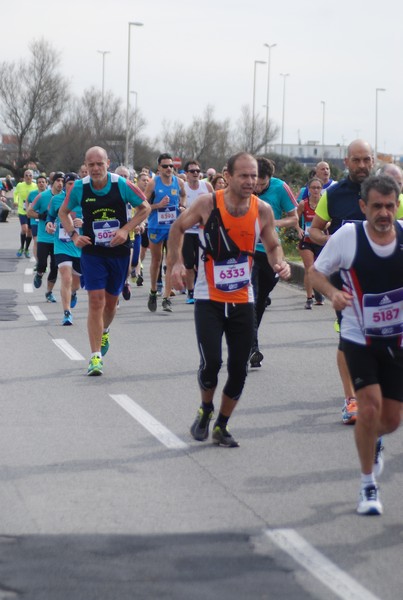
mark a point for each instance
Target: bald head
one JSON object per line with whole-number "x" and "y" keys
{"x": 322, "y": 171}
{"x": 359, "y": 160}
{"x": 393, "y": 171}
{"x": 359, "y": 146}
{"x": 97, "y": 162}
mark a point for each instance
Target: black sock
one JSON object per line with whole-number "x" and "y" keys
{"x": 23, "y": 237}
{"x": 27, "y": 242}
{"x": 222, "y": 421}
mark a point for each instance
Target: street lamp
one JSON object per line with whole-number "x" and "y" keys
{"x": 135, "y": 121}
{"x": 323, "y": 103}
{"x": 135, "y": 24}
{"x": 257, "y": 62}
{"x": 376, "y": 124}
{"x": 269, "y": 46}
{"x": 284, "y": 76}
{"x": 103, "y": 52}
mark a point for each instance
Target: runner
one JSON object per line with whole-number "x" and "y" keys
{"x": 21, "y": 193}
{"x": 67, "y": 255}
{"x": 370, "y": 260}
{"x": 223, "y": 292}
{"x": 104, "y": 242}
{"x": 167, "y": 196}
{"x": 45, "y": 247}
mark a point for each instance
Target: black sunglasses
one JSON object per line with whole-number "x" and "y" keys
{"x": 167, "y": 166}
{"x": 193, "y": 170}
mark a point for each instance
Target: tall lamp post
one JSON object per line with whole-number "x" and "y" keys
{"x": 103, "y": 52}
{"x": 323, "y": 103}
{"x": 376, "y": 123}
{"x": 284, "y": 76}
{"x": 134, "y": 24}
{"x": 135, "y": 121}
{"x": 269, "y": 46}
{"x": 257, "y": 62}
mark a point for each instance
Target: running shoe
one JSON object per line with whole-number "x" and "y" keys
{"x": 27, "y": 254}
{"x": 368, "y": 502}
{"x": 166, "y": 305}
{"x": 37, "y": 281}
{"x": 378, "y": 462}
{"x": 336, "y": 326}
{"x": 319, "y": 298}
{"x": 95, "y": 366}
{"x": 349, "y": 411}
{"x": 50, "y": 297}
{"x": 73, "y": 300}
{"x": 67, "y": 318}
{"x": 255, "y": 359}
{"x": 105, "y": 343}
{"x": 20, "y": 252}
{"x": 126, "y": 292}
{"x": 190, "y": 299}
{"x": 222, "y": 437}
{"x": 159, "y": 288}
{"x": 200, "y": 427}
{"x": 152, "y": 302}
{"x": 140, "y": 280}
{"x": 309, "y": 303}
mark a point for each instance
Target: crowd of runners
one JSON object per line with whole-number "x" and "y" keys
{"x": 215, "y": 237}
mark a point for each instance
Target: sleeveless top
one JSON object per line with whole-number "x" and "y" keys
{"x": 230, "y": 280}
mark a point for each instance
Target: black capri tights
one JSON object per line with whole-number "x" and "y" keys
{"x": 212, "y": 320}
{"x": 44, "y": 250}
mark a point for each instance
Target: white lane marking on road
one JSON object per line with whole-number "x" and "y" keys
{"x": 339, "y": 582}
{"x": 28, "y": 272}
{"x": 157, "y": 429}
{"x": 68, "y": 349}
{"x": 28, "y": 288}
{"x": 37, "y": 313}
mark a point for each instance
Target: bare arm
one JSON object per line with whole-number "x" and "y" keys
{"x": 339, "y": 298}
{"x": 198, "y": 212}
{"x": 291, "y": 220}
{"x": 317, "y": 231}
{"x": 271, "y": 242}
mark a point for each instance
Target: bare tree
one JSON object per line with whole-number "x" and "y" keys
{"x": 32, "y": 98}
{"x": 243, "y": 138}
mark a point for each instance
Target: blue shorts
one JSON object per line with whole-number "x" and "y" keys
{"x": 158, "y": 235}
{"x": 34, "y": 230}
{"x": 24, "y": 220}
{"x": 104, "y": 273}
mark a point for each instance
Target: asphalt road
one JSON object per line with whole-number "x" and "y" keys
{"x": 104, "y": 495}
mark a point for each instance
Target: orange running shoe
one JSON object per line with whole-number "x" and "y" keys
{"x": 349, "y": 411}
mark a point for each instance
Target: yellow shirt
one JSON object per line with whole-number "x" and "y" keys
{"x": 21, "y": 193}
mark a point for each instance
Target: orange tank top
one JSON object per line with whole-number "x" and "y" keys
{"x": 230, "y": 280}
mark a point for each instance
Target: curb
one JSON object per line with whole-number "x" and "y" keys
{"x": 297, "y": 273}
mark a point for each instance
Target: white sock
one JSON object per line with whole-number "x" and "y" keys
{"x": 367, "y": 480}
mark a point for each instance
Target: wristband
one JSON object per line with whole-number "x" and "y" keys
{"x": 72, "y": 233}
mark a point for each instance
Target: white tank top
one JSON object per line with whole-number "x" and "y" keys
{"x": 191, "y": 196}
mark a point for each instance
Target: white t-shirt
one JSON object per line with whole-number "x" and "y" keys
{"x": 339, "y": 253}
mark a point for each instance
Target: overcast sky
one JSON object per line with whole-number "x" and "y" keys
{"x": 191, "y": 54}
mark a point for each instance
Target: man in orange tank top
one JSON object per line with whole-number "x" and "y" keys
{"x": 223, "y": 293}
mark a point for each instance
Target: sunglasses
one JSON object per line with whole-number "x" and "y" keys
{"x": 167, "y": 166}
{"x": 193, "y": 170}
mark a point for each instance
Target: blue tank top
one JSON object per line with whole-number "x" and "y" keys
{"x": 162, "y": 218}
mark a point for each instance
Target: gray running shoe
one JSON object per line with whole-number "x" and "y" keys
{"x": 255, "y": 359}
{"x": 200, "y": 427}
{"x": 152, "y": 302}
{"x": 222, "y": 437}
{"x": 166, "y": 305}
